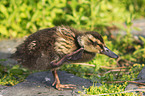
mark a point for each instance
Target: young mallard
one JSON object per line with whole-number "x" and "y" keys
{"x": 52, "y": 47}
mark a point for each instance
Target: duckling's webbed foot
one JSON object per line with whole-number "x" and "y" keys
{"x": 72, "y": 56}
{"x": 61, "y": 86}
{"x": 65, "y": 86}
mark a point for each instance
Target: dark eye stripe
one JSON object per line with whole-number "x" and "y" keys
{"x": 101, "y": 46}
{"x": 91, "y": 41}
{"x": 94, "y": 43}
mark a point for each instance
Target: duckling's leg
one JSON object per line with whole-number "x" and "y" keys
{"x": 72, "y": 56}
{"x": 60, "y": 86}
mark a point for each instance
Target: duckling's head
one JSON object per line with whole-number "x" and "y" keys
{"x": 93, "y": 42}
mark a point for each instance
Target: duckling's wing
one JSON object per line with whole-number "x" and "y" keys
{"x": 65, "y": 41}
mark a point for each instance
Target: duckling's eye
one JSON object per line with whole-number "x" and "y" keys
{"x": 106, "y": 49}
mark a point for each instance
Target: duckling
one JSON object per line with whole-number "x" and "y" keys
{"x": 52, "y": 47}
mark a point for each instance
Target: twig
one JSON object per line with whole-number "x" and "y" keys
{"x": 137, "y": 82}
{"x": 116, "y": 70}
{"x": 126, "y": 81}
{"x": 85, "y": 64}
{"x": 112, "y": 67}
{"x": 142, "y": 87}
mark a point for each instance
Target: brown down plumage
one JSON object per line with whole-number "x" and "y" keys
{"x": 52, "y": 47}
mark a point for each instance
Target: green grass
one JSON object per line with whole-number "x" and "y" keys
{"x": 23, "y": 17}
{"x": 12, "y": 76}
{"x": 109, "y": 90}
{"x": 102, "y": 75}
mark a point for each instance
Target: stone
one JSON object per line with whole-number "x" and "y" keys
{"x": 40, "y": 84}
{"x": 141, "y": 79}
{"x": 141, "y": 75}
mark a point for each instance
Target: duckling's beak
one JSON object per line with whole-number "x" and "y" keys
{"x": 109, "y": 53}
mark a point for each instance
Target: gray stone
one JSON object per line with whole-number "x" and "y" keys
{"x": 137, "y": 29}
{"x": 141, "y": 79}
{"x": 7, "y": 47}
{"x": 141, "y": 75}
{"x": 140, "y": 24}
{"x": 2, "y": 87}
{"x": 131, "y": 87}
{"x": 39, "y": 84}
